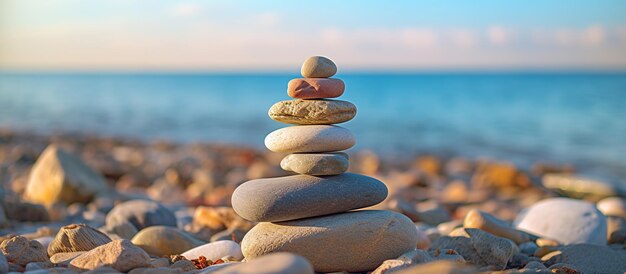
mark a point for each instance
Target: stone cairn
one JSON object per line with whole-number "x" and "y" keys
{"x": 311, "y": 214}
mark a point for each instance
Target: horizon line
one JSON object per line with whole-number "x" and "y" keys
{"x": 255, "y": 71}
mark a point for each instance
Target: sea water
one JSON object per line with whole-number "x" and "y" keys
{"x": 577, "y": 118}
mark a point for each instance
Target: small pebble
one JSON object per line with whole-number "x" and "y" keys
{"x": 318, "y": 67}
{"x": 164, "y": 240}
{"x": 316, "y": 164}
{"x": 215, "y": 250}
{"x": 613, "y": 206}
{"x": 315, "y": 88}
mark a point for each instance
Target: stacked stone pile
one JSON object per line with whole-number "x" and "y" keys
{"x": 311, "y": 213}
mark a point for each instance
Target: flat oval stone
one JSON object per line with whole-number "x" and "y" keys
{"x": 318, "y": 67}
{"x": 315, "y": 88}
{"x": 303, "y": 196}
{"x": 316, "y": 164}
{"x": 310, "y": 138}
{"x": 567, "y": 221}
{"x": 312, "y": 112}
{"x": 356, "y": 241}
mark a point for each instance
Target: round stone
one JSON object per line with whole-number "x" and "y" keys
{"x": 303, "y": 196}
{"x": 312, "y": 112}
{"x": 356, "y": 241}
{"x": 310, "y": 138}
{"x": 135, "y": 215}
{"x": 318, "y": 67}
{"x": 316, "y": 164}
{"x": 315, "y": 88}
{"x": 567, "y": 221}
{"x": 164, "y": 240}
{"x": 613, "y": 206}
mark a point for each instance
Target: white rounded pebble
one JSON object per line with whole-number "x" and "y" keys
{"x": 215, "y": 250}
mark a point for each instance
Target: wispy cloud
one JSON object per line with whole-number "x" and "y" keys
{"x": 268, "y": 19}
{"x": 185, "y": 9}
{"x": 213, "y": 35}
{"x": 499, "y": 35}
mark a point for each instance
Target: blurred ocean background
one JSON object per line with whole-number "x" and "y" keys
{"x": 577, "y": 118}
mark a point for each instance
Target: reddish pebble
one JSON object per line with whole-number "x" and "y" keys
{"x": 315, "y": 88}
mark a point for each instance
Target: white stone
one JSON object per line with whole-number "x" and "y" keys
{"x": 567, "y": 221}
{"x": 215, "y": 250}
{"x": 309, "y": 138}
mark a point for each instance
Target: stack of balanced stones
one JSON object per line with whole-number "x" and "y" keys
{"x": 313, "y": 213}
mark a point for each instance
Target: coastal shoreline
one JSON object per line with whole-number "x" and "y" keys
{"x": 195, "y": 182}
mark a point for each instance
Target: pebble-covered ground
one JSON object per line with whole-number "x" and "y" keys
{"x": 74, "y": 203}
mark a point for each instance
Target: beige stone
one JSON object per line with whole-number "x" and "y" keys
{"x": 316, "y": 164}
{"x": 312, "y": 112}
{"x": 121, "y": 255}
{"x": 21, "y": 251}
{"x": 318, "y": 67}
{"x": 77, "y": 237}
{"x": 356, "y": 241}
{"x": 309, "y": 138}
{"x": 164, "y": 240}
{"x": 60, "y": 176}
{"x": 613, "y": 206}
{"x": 487, "y": 222}
{"x": 64, "y": 258}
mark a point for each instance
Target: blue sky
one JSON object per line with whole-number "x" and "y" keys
{"x": 278, "y": 35}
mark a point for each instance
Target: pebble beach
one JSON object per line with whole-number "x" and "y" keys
{"x": 78, "y": 203}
